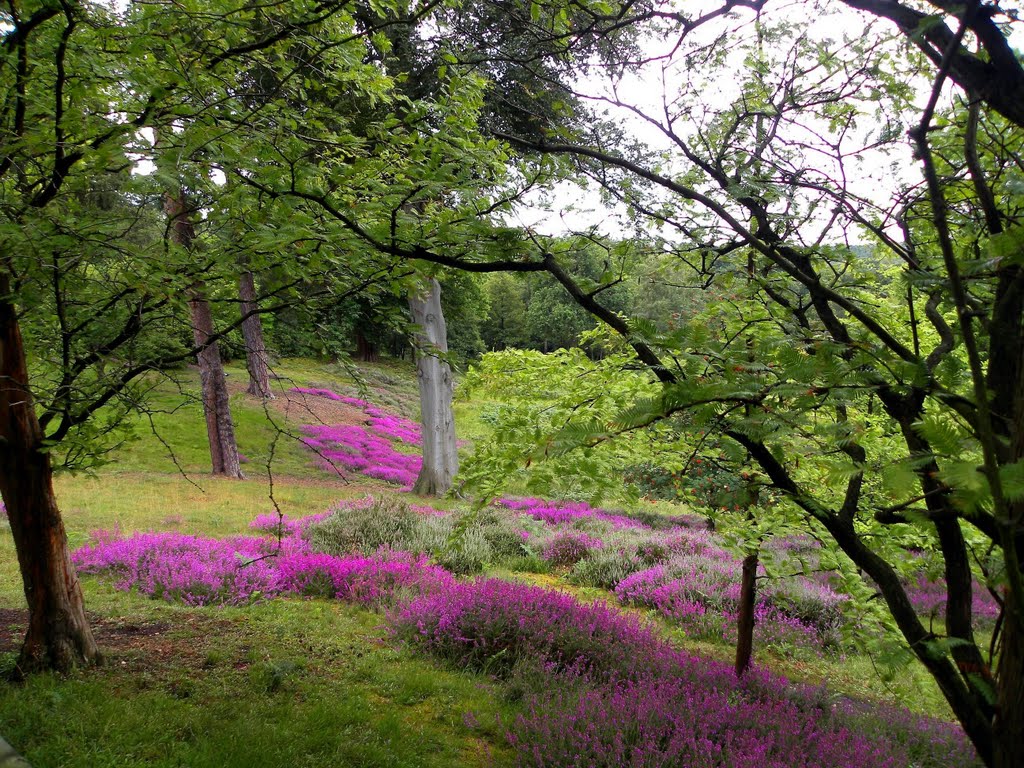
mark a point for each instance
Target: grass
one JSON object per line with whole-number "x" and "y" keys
{"x": 284, "y": 682}
{"x": 287, "y": 682}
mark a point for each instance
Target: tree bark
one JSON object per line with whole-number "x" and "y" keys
{"x": 745, "y": 616}
{"x": 59, "y": 636}
{"x": 216, "y": 403}
{"x": 1008, "y": 725}
{"x": 252, "y": 332}
{"x": 366, "y": 350}
{"x": 440, "y": 455}
{"x": 9, "y": 757}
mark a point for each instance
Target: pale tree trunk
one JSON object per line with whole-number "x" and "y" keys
{"x": 59, "y": 636}
{"x": 216, "y": 403}
{"x": 440, "y": 455}
{"x": 252, "y": 332}
{"x": 9, "y": 757}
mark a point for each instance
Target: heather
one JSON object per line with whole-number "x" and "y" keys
{"x": 604, "y": 689}
{"x": 596, "y": 686}
{"x": 368, "y": 449}
{"x": 349, "y": 447}
{"x": 198, "y": 570}
{"x": 593, "y": 685}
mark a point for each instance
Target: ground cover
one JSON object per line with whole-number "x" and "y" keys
{"x": 569, "y": 658}
{"x": 569, "y": 547}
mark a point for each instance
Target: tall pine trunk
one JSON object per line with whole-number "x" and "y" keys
{"x": 59, "y": 636}
{"x": 216, "y": 403}
{"x": 252, "y": 332}
{"x": 440, "y": 454}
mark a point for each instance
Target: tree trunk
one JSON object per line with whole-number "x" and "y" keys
{"x": 252, "y": 332}
{"x": 440, "y": 455}
{"x": 216, "y": 403}
{"x": 58, "y": 636}
{"x": 745, "y": 617}
{"x": 9, "y": 757}
{"x": 366, "y": 350}
{"x": 1008, "y": 726}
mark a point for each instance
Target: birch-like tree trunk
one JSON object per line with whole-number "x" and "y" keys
{"x": 440, "y": 455}
{"x": 9, "y": 757}
{"x": 216, "y": 404}
{"x": 252, "y": 333}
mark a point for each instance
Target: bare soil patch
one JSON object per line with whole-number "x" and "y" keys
{"x": 133, "y": 645}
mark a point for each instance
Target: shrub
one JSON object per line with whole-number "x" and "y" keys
{"x": 385, "y": 523}
{"x": 652, "y": 552}
{"x": 506, "y": 542}
{"x": 605, "y": 569}
{"x": 467, "y": 553}
{"x": 200, "y": 571}
{"x": 566, "y": 549}
{"x": 654, "y": 722}
{"x": 602, "y": 689}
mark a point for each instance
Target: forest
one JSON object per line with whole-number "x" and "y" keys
{"x": 512, "y": 383}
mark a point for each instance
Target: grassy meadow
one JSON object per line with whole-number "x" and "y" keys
{"x": 293, "y": 680}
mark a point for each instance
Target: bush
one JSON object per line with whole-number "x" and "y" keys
{"x": 567, "y": 549}
{"x": 468, "y": 553}
{"x": 386, "y": 523}
{"x": 605, "y": 569}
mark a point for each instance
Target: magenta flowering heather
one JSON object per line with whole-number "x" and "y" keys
{"x": 327, "y": 393}
{"x": 351, "y": 447}
{"x": 567, "y": 548}
{"x": 701, "y": 593}
{"x": 654, "y": 722}
{"x": 618, "y": 695}
{"x": 175, "y": 566}
{"x": 202, "y": 571}
{"x": 928, "y": 596}
{"x": 373, "y": 581}
{"x": 557, "y": 512}
{"x": 396, "y": 428}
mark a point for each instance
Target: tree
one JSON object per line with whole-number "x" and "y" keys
{"x": 252, "y": 332}
{"x": 879, "y": 396}
{"x": 220, "y": 429}
{"x": 95, "y": 291}
{"x": 440, "y": 453}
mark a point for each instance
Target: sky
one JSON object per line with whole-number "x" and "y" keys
{"x": 877, "y": 175}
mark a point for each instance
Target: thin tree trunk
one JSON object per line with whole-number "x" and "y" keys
{"x": 440, "y": 454}
{"x": 745, "y": 617}
{"x": 216, "y": 403}
{"x": 59, "y": 636}
{"x": 252, "y": 332}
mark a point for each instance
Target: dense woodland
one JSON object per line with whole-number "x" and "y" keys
{"x": 757, "y": 262}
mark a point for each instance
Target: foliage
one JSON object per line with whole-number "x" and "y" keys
{"x": 682, "y": 708}
{"x": 537, "y": 395}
